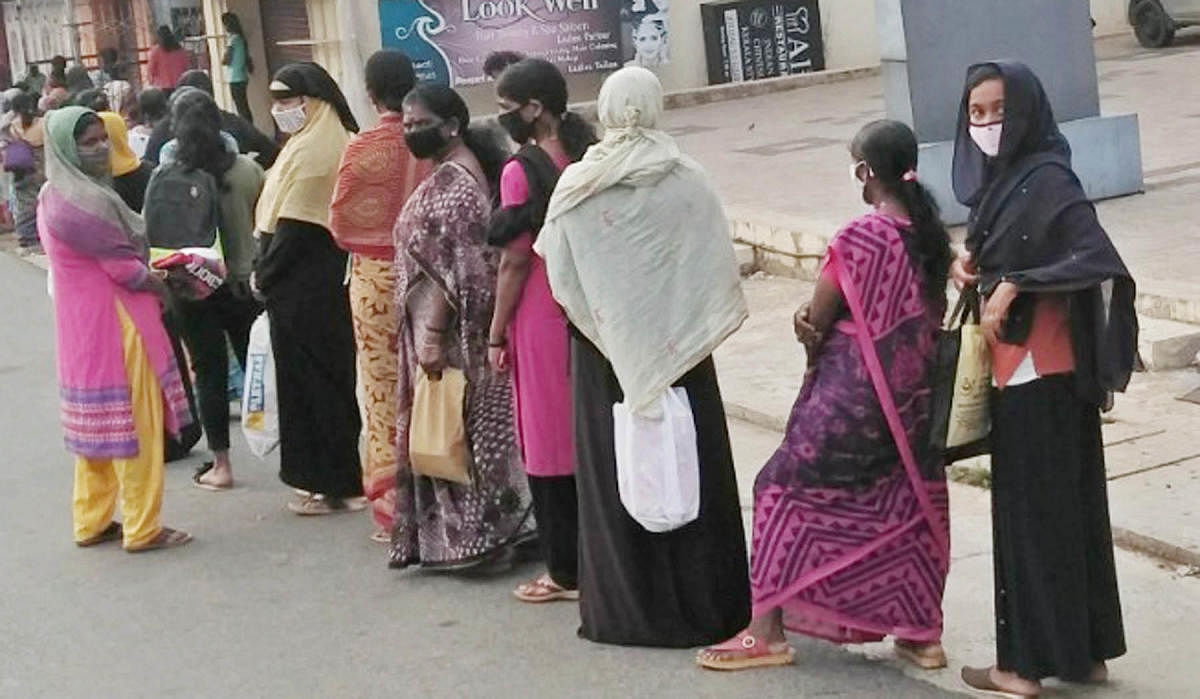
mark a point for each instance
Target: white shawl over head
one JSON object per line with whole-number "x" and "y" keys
{"x": 637, "y": 247}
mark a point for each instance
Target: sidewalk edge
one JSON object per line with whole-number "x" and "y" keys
{"x": 1123, "y": 538}
{"x": 726, "y": 92}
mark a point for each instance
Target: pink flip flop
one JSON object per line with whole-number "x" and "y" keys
{"x": 743, "y": 652}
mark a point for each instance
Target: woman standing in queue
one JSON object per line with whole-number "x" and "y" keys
{"x": 30, "y": 129}
{"x": 445, "y": 293}
{"x": 131, "y": 175}
{"x": 300, "y": 272}
{"x": 854, "y": 501}
{"x": 529, "y": 331}
{"x": 1060, "y": 318}
{"x": 119, "y": 383}
{"x": 227, "y": 314}
{"x": 635, "y": 233}
{"x": 377, "y": 176}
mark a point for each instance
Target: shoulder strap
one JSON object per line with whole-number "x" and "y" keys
{"x": 886, "y": 400}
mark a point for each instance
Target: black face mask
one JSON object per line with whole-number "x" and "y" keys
{"x": 518, "y": 129}
{"x": 426, "y": 143}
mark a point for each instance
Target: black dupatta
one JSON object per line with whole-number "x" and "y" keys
{"x": 1032, "y": 224}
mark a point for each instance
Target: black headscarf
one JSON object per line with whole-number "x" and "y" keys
{"x": 311, "y": 80}
{"x": 1032, "y": 224}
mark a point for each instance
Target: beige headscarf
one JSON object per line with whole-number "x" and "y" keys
{"x": 300, "y": 184}
{"x": 633, "y": 232}
{"x": 633, "y": 150}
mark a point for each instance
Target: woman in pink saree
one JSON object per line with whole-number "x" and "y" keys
{"x": 851, "y": 535}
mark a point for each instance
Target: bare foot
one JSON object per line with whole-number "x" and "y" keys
{"x": 1099, "y": 674}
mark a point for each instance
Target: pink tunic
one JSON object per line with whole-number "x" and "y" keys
{"x": 537, "y": 337}
{"x": 97, "y": 409}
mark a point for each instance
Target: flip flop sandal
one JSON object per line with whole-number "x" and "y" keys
{"x": 317, "y": 505}
{"x": 167, "y": 539}
{"x": 980, "y": 679}
{"x": 113, "y": 532}
{"x": 544, "y": 589}
{"x": 200, "y": 473}
{"x": 743, "y": 652}
{"x": 381, "y": 537}
{"x": 925, "y": 656}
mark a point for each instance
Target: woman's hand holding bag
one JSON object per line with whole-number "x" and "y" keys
{"x": 437, "y": 437}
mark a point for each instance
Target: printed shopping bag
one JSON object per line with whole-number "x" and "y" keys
{"x": 260, "y": 408}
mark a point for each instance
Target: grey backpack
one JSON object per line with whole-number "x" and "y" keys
{"x": 182, "y": 208}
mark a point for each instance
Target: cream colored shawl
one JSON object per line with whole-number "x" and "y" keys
{"x": 300, "y": 184}
{"x": 637, "y": 247}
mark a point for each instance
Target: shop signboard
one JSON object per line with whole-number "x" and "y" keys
{"x": 756, "y": 39}
{"x": 448, "y": 40}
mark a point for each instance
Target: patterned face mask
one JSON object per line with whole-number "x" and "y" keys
{"x": 289, "y": 119}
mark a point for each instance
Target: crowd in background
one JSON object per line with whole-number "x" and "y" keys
{"x": 430, "y": 249}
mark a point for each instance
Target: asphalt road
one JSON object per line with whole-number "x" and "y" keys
{"x": 266, "y": 604}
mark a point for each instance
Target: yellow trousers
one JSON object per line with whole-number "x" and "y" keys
{"x": 139, "y": 479}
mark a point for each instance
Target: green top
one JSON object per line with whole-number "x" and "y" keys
{"x": 236, "y": 72}
{"x": 245, "y": 181}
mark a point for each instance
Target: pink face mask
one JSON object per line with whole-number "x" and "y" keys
{"x": 987, "y": 137}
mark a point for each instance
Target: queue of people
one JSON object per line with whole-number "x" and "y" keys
{"x": 394, "y": 257}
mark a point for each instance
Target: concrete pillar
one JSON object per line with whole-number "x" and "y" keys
{"x": 926, "y": 47}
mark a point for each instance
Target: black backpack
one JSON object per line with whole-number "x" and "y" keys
{"x": 182, "y": 208}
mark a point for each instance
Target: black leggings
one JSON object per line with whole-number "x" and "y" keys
{"x": 557, "y": 510}
{"x": 238, "y": 90}
{"x": 205, "y": 326}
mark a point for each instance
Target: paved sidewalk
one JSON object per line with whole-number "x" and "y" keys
{"x": 1153, "y": 456}
{"x": 1154, "y": 598}
{"x": 781, "y": 165}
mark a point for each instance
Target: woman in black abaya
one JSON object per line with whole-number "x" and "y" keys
{"x": 1060, "y": 319}
{"x": 300, "y": 272}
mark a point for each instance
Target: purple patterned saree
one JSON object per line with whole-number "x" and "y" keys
{"x": 440, "y": 250}
{"x": 847, "y": 541}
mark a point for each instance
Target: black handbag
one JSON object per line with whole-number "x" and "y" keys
{"x": 960, "y": 422}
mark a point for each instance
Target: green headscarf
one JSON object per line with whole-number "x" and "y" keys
{"x": 83, "y": 212}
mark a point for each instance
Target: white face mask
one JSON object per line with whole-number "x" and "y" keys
{"x": 987, "y": 137}
{"x": 289, "y": 119}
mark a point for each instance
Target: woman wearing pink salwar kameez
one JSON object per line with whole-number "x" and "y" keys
{"x": 117, "y": 378}
{"x": 529, "y": 330}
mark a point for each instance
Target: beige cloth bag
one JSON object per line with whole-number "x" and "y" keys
{"x": 437, "y": 439}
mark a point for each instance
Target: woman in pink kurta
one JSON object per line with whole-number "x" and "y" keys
{"x": 529, "y": 330}
{"x": 118, "y": 380}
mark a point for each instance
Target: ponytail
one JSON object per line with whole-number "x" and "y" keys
{"x": 491, "y": 156}
{"x": 929, "y": 247}
{"x": 576, "y": 135}
{"x": 890, "y": 150}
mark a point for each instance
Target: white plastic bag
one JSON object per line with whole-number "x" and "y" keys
{"x": 260, "y": 409}
{"x": 658, "y": 466}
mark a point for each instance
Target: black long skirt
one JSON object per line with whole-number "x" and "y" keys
{"x": 685, "y": 588}
{"x": 1057, "y": 607}
{"x": 313, "y": 343}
